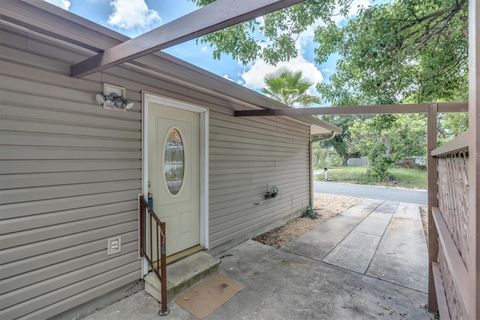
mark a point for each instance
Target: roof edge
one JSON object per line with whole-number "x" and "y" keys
{"x": 206, "y": 80}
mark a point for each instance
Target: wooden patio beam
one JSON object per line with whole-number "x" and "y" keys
{"x": 355, "y": 110}
{"x": 213, "y": 17}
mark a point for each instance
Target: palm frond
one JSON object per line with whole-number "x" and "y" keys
{"x": 290, "y": 88}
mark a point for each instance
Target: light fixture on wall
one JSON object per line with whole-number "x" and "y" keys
{"x": 114, "y": 101}
{"x": 113, "y": 97}
{"x": 272, "y": 192}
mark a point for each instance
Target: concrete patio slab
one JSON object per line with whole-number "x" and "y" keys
{"x": 402, "y": 254}
{"x": 373, "y": 268}
{"x": 382, "y": 215}
{"x": 355, "y": 252}
{"x": 316, "y": 244}
{"x": 387, "y": 207}
{"x": 372, "y": 225}
{"x": 368, "y": 204}
{"x": 385, "y": 210}
{"x": 282, "y": 285}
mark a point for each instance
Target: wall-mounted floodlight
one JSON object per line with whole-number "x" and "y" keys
{"x": 114, "y": 101}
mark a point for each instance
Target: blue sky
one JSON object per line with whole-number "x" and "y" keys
{"x": 134, "y": 17}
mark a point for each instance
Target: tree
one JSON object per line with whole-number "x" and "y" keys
{"x": 341, "y": 141}
{"x": 404, "y": 51}
{"x": 290, "y": 88}
{"x": 400, "y": 51}
{"x": 451, "y": 124}
{"x": 324, "y": 157}
{"x": 277, "y": 31}
{"x": 387, "y": 138}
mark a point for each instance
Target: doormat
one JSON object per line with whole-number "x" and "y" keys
{"x": 208, "y": 296}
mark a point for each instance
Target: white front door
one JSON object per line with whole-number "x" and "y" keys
{"x": 173, "y": 173}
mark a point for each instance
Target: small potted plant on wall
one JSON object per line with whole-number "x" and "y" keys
{"x": 272, "y": 192}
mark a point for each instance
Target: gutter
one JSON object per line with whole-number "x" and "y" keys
{"x": 323, "y": 137}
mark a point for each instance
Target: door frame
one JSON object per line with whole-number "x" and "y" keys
{"x": 148, "y": 98}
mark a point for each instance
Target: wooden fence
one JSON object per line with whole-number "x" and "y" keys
{"x": 451, "y": 265}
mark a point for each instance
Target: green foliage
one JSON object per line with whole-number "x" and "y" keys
{"x": 400, "y": 135}
{"x": 310, "y": 212}
{"x": 325, "y": 157}
{"x": 397, "y": 52}
{"x": 387, "y": 138}
{"x": 290, "y": 88}
{"x": 451, "y": 124}
{"x": 379, "y": 162}
{"x": 341, "y": 141}
{"x": 400, "y": 51}
{"x": 408, "y": 136}
{"x": 272, "y": 38}
{"x": 397, "y": 177}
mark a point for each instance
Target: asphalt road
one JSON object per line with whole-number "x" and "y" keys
{"x": 372, "y": 192}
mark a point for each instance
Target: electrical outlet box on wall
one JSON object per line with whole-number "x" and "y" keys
{"x": 114, "y": 245}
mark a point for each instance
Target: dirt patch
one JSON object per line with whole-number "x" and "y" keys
{"x": 424, "y": 216}
{"x": 328, "y": 206}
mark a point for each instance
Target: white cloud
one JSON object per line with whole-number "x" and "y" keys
{"x": 64, "y": 4}
{"x": 305, "y": 37}
{"x": 357, "y": 5}
{"x": 133, "y": 14}
{"x": 255, "y": 74}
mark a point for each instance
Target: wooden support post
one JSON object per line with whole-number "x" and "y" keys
{"x": 311, "y": 173}
{"x": 432, "y": 202}
{"x": 473, "y": 263}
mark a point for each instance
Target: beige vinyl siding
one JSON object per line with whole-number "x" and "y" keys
{"x": 70, "y": 173}
{"x": 246, "y": 156}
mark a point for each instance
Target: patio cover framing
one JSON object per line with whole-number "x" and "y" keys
{"x": 357, "y": 110}
{"x": 473, "y": 143}
{"x": 231, "y": 12}
{"x": 220, "y": 16}
{"x": 432, "y": 110}
{"x": 213, "y": 17}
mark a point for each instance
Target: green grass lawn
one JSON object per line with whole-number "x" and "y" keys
{"x": 399, "y": 177}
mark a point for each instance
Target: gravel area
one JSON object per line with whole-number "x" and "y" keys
{"x": 328, "y": 206}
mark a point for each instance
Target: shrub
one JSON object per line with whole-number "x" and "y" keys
{"x": 379, "y": 162}
{"x": 310, "y": 212}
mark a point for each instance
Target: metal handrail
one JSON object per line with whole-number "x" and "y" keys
{"x": 158, "y": 265}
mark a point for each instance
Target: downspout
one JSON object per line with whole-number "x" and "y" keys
{"x": 315, "y": 138}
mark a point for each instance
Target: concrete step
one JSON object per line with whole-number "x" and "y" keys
{"x": 183, "y": 274}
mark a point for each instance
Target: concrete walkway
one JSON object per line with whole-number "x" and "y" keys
{"x": 381, "y": 239}
{"x": 367, "y": 263}
{"x": 372, "y": 192}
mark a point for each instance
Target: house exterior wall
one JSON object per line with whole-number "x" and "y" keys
{"x": 246, "y": 156}
{"x": 70, "y": 173}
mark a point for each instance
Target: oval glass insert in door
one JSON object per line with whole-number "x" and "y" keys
{"x": 174, "y": 163}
